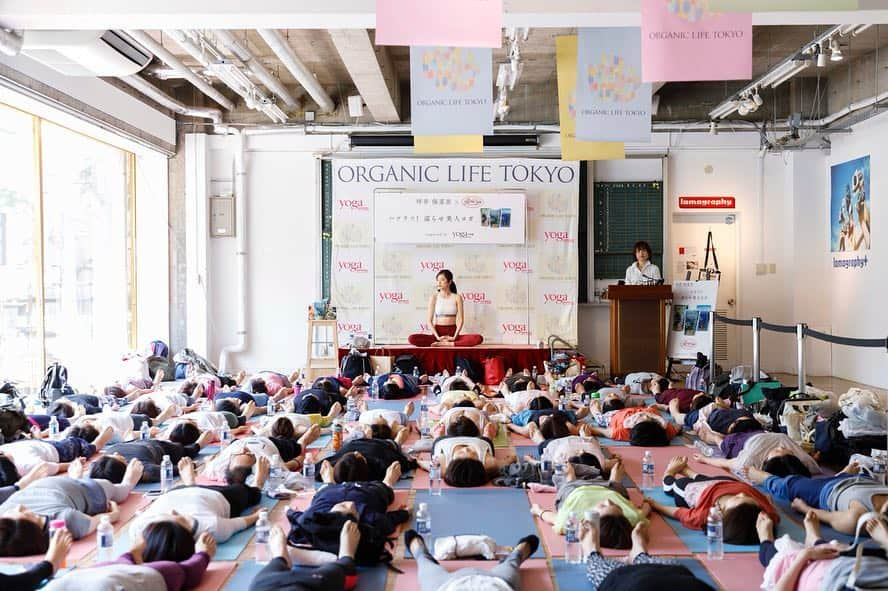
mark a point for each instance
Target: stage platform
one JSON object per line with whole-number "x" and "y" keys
{"x": 437, "y": 359}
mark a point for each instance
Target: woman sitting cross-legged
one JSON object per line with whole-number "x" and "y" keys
{"x": 639, "y": 571}
{"x": 595, "y": 493}
{"x": 695, "y": 494}
{"x": 505, "y": 575}
{"x": 332, "y": 576}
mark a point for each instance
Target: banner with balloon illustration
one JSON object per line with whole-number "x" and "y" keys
{"x": 778, "y": 5}
{"x": 451, "y": 91}
{"x": 571, "y": 147}
{"x": 683, "y": 40}
{"x": 613, "y": 104}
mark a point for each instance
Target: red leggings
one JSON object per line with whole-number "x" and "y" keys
{"x": 463, "y": 340}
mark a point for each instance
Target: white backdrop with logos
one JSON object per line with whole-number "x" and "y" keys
{"x": 513, "y": 293}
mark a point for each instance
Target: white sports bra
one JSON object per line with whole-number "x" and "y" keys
{"x": 444, "y": 447}
{"x": 474, "y": 414}
{"x": 445, "y": 306}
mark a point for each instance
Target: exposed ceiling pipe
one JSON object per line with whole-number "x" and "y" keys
{"x": 172, "y": 61}
{"x": 830, "y": 119}
{"x": 255, "y": 66}
{"x": 291, "y": 61}
{"x": 160, "y": 97}
{"x": 10, "y": 42}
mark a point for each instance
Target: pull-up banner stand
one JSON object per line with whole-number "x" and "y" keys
{"x": 693, "y": 304}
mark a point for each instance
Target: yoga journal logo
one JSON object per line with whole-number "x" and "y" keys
{"x": 393, "y": 297}
{"x": 451, "y": 68}
{"x": 476, "y": 297}
{"x": 353, "y": 205}
{"x": 557, "y": 237}
{"x": 351, "y": 327}
{"x": 557, "y": 298}
{"x": 613, "y": 80}
{"x": 431, "y": 266}
{"x": 516, "y": 266}
{"x": 352, "y": 266}
{"x": 509, "y": 328}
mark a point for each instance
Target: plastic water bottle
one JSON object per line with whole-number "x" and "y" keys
{"x": 425, "y": 428}
{"x": 308, "y": 471}
{"x": 374, "y": 386}
{"x": 224, "y": 436}
{"x": 144, "y": 431}
{"x": 435, "y": 486}
{"x": 647, "y": 471}
{"x": 593, "y": 518}
{"x": 166, "y": 474}
{"x": 562, "y": 402}
{"x": 714, "y": 535}
{"x": 545, "y": 471}
{"x": 105, "y": 540}
{"x": 558, "y": 476}
{"x": 336, "y": 441}
{"x": 262, "y": 529}
{"x": 351, "y": 413}
{"x": 573, "y": 553}
{"x": 534, "y": 373}
{"x": 423, "y": 520}
{"x": 269, "y": 408}
{"x": 275, "y": 475}
{"x": 54, "y": 526}
{"x": 704, "y": 449}
{"x": 53, "y": 427}
{"x": 416, "y": 372}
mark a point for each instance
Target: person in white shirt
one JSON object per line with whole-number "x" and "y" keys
{"x": 643, "y": 271}
{"x": 640, "y": 381}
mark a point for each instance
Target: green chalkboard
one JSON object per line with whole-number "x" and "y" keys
{"x": 326, "y": 226}
{"x": 625, "y": 213}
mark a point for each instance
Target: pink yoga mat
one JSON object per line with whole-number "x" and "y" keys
{"x": 81, "y": 548}
{"x": 632, "y": 461}
{"x": 216, "y": 576}
{"x": 663, "y": 541}
{"x": 736, "y": 572}
{"x": 534, "y": 573}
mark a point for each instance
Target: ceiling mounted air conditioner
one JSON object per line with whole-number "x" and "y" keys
{"x": 86, "y": 53}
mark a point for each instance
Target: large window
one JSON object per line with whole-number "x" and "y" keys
{"x": 66, "y": 264}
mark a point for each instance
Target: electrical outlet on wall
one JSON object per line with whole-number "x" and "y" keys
{"x": 761, "y": 268}
{"x": 772, "y": 268}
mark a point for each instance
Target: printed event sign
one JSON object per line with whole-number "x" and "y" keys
{"x": 613, "y": 104}
{"x": 778, "y": 5}
{"x": 571, "y": 148}
{"x": 451, "y": 91}
{"x": 707, "y": 202}
{"x": 449, "y": 218}
{"x": 693, "y": 303}
{"x": 458, "y": 23}
{"x": 682, "y": 40}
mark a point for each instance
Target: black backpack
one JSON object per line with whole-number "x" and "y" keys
{"x": 354, "y": 364}
{"x": 473, "y": 368}
{"x": 405, "y": 364}
{"x": 55, "y": 384}
{"x": 380, "y": 453}
{"x": 14, "y": 425}
{"x": 835, "y": 448}
{"x": 321, "y": 531}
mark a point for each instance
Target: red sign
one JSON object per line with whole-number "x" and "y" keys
{"x": 707, "y": 203}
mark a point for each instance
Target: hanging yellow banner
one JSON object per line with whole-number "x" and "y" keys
{"x": 447, "y": 144}
{"x": 571, "y": 147}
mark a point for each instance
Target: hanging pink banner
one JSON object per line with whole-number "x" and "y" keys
{"x": 454, "y": 23}
{"x": 681, "y": 41}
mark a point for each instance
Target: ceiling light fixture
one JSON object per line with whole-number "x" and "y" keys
{"x": 821, "y": 55}
{"x": 834, "y": 50}
{"x": 713, "y": 128}
{"x": 757, "y": 98}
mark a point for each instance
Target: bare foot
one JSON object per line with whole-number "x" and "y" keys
{"x": 878, "y": 531}
{"x": 812, "y": 528}
{"x": 277, "y": 543}
{"x": 589, "y": 538}
{"x": 852, "y": 468}
{"x": 676, "y": 465}
{"x": 205, "y": 438}
{"x": 76, "y": 468}
{"x": 618, "y": 471}
{"x": 327, "y": 472}
{"x": 409, "y": 408}
{"x": 392, "y": 474}
{"x": 158, "y": 377}
{"x": 570, "y": 473}
{"x": 754, "y": 475}
{"x": 800, "y": 505}
{"x": 239, "y": 378}
{"x": 248, "y": 410}
{"x": 186, "y": 471}
{"x": 349, "y": 538}
{"x": 134, "y": 471}
{"x": 639, "y": 540}
{"x": 491, "y": 430}
{"x": 168, "y": 412}
{"x": 59, "y": 545}
{"x": 764, "y": 525}
{"x": 309, "y": 436}
{"x": 335, "y": 410}
{"x": 263, "y": 467}
{"x": 39, "y": 471}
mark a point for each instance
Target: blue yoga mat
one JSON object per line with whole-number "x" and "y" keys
{"x": 406, "y": 481}
{"x": 573, "y": 576}
{"x": 696, "y": 542}
{"x": 208, "y": 451}
{"x": 321, "y": 442}
{"x": 826, "y": 532}
{"x": 502, "y": 514}
{"x": 395, "y": 405}
{"x": 369, "y": 579}
{"x": 524, "y": 450}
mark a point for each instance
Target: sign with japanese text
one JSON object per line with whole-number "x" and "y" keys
{"x": 449, "y": 218}
{"x": 690, "y": 331}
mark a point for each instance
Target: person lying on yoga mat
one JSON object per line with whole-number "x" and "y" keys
{"x": 505, "y": 575}
{"x": 340, "y": 384}
{"x": 466, "y": 421}
{"x": 245, "y": 452}
{"x": 540, "y": 407}
{"x": 839, "y": 501}
{"x": 689, "y": 418}
{"x": 78, "y": 442}
{"x": 269, "y": 382}
{"x": 618, "y": 515}
{"x": 182, "y": 402}
{"x": 112, "y": 464}
{"x": 260, "y": 401}
{"x": 665, "y": 392}
{"x": 819, "y": 564}
{"x": 520, "y": 400}
{"x": 332, "y": 576}
{"x": 551, "y": 427}
{"x": 34, "y": 576}
{"x": 445, "y": 317}
{"x": 318, "y": 401}
{"x": 695, "y": 494}
{"x": 640, "y": 382}
{"x": 382, "y": 423}
{"x": 81, "y": 503}
{"x": 517, "y": 382}
{"x": 466, "y": 461}
{"x": 362, "y": 460}
{"x": 301, "y": 422}
{"x": 775, "y": 453}
{"x": 10, "y": 480}
{"x": 76, "y": 405}
{"x": 334, "y": 504}
{"x": 216, "y": 510}
{"x": 395, "y": 386}
{"x": 167, "y": 553}
{"x": 638, "y": 425}
{"x": 465, "y": 398}
{"x": 461, "y": 381}
{"x": 639, "y": 570}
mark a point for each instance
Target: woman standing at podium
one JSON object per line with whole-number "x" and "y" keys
{"x": 643, "y": 271}
{"x": 445, "y": 318}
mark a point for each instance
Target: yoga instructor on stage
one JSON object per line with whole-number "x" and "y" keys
{"x": 643, "y": 271}
{"x": 445, "y": 318}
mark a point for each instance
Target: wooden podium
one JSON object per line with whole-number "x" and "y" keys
{"x": 638, "y": 326}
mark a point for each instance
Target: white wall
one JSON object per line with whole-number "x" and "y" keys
{"x": 857, "y": 306}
